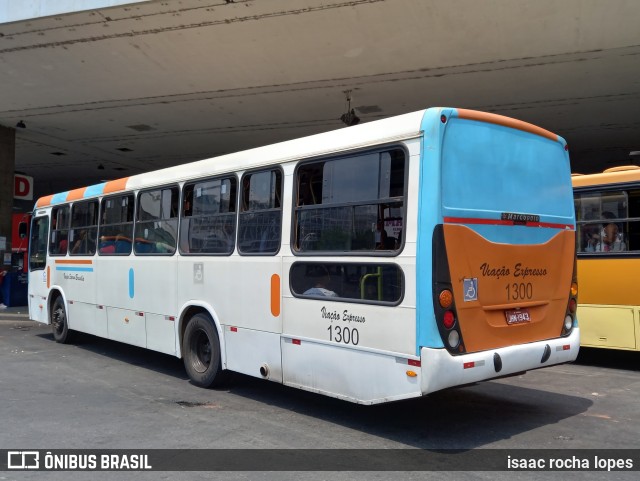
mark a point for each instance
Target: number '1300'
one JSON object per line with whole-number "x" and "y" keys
{"x": 344, "y": 335}
{"x": 519, "y": 291}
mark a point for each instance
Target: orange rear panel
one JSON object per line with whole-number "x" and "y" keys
{"x": 532, "y": 277}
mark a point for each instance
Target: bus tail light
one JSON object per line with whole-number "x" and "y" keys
{"x": 574, "y": 289}
{"x": 568, "y": 323}
{"x": 449, "y": 319}
{"x": 572, "y": 304}
{"x": 445, "y": 298}
{"x": 444, "y": 303}
{"x": 453, "y": 339}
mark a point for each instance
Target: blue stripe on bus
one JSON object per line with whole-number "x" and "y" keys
{"x": 75, "y": 269}
{"x": 131, "y": 283}
{"x": 428, "y": 216}
{"x": 92, "y": 190}
{"x": 59, "y": 198}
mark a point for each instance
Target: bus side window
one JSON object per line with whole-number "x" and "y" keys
{"x": 348, "y": 281}
{"x": 58, "y": 243}
{"x": 260, "y": 219}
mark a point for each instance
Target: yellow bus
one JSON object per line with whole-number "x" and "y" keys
{"x": 608, "y": 223}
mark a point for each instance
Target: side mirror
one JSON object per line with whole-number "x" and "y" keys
{"x": 22, "y": 230}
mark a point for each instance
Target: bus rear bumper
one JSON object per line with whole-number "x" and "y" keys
{"x": 441, "y": 370}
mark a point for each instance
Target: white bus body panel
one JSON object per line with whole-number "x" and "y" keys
{"x": 154, "y": 284}
{"x": 248, "y": 350}
{"x": 161, "y": 333}
{"x": 362, "y": 376}
{"x": 127, "y": 326}
{"x": 238, "y": 289}
{"x": 38, "y": 292}
{"x": 79, "y": 288}
{"x": 82, "y": 317}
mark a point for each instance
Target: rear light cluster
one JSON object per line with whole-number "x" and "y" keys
{"x": 443, "y": 301}
{"x": 448, "y": 319}
{"x": 572, "y": 305}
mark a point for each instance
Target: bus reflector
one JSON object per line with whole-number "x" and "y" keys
{"x": 296, "y": 341}
{"x": 443, "y": 119}
{"x": 470, "y": 364}
{"x": 566, "y": 347}
{"x": 139, "y": 313}
{"x": 411, "y": 374}
{"x": 233, "y": 329}
{"x": 413, "y": 362}
{"x": 445, "y": 298}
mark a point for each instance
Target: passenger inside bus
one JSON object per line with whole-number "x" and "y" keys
{"x": 321, "y": 281}
{"x": 611, "y": 239}
{"x": 80, "y": 245}
{"x": 381, "y": 236}
{"x": 62, "y": 245}
{"x": 590, "y": 237}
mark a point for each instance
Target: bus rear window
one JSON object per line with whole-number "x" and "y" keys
{"x": 488, "y": 167}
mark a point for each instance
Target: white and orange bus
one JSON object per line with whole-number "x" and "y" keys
{"x": 373, "y": 263}
{"x": 608, "y": 218}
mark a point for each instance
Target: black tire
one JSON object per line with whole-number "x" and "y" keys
{"x": 58, "y": 319}
{"x": 201, "y": 352}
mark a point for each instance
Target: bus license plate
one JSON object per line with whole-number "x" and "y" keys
{"x": 517, "y": 316}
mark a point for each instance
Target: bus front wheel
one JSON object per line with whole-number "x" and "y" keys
{"x": 59, "y": 323}
{"x": 201, "y": 351}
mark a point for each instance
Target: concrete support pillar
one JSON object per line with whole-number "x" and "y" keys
{"x": 7, "y": 167}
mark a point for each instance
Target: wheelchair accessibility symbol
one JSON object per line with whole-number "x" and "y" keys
{"x": 470, "y": 287}
{"x": 198, "y": 273}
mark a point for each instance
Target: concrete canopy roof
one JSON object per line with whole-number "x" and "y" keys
{"x": 150, "y": 85}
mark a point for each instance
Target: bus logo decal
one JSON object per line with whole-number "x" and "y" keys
{"x": 470, "y": 287}
{"x": 79, "y": 265}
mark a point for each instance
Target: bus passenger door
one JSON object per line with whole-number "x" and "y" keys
{"x": 39, "y": 272}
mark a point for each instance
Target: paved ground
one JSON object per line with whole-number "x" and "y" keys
{"x": 100, "y": 394}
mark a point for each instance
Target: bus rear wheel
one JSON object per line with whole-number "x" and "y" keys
{"x": 58, "y": 318}
{"x": 201, "y": 352}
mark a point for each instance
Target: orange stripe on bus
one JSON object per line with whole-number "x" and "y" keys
{"x": 507, "y": 122}
{"x": 79, "y": 261}
{"x": 275, "y": 295}
{"x": 44, "y": 201}
{"x": 76, "y": 194}
{"x": 116, "y": 185}
{"x": 48, "y": 277}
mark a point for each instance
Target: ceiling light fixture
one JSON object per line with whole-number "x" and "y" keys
{"x": 349, "y": 117}
{"x": 21, "y": 125}
{"x": 100, "y": 167}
